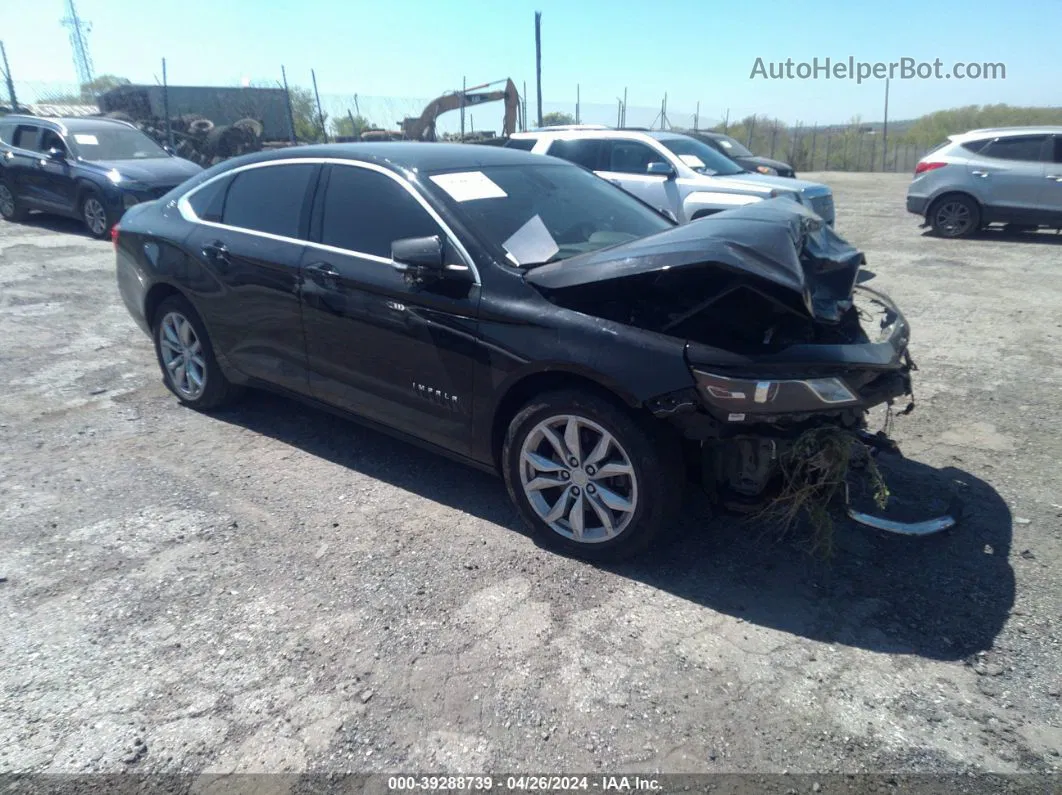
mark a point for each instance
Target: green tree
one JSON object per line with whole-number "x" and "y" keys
{"x": 556, "y": 118}
{"x": 308, "y": 127}
{"x": 351, "y": 127}
{"x": 101, "y": 85}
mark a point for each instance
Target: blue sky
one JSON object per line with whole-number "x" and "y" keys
{"x": 695, "y": 50}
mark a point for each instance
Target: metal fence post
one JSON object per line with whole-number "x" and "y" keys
{"x": 10, "y": 80}
{"x": 774, "y": 136}
{"x": 873, "y": 155}
{"x": 320, "y": 113}
{"x": 859, "y": 149}
{"x": 287, "y": 101}
{"x": 826, "y": 165}
{"x": 752, "y": 128}
{"x": 166, "y": 104}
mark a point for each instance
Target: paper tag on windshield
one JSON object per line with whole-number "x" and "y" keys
{"x": 532, "y": 242}
{"x": 83, "y": 138}
{"x": 692, "y": 161}
{"x": 466, "y": 186}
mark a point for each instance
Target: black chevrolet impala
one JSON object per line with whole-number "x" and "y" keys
{"x": 517, "y": 313}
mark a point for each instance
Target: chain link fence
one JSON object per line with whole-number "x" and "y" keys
{"x": 209, "y": 124}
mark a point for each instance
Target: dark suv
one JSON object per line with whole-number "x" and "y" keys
{"x": 87, "y": 168}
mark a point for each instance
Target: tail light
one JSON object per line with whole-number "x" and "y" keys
{"x": 114, "y": 236}
{"x": 928, "y": 165}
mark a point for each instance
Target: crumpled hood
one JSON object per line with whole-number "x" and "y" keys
{"x": 151, "y": 171}
{"x": 778, "y": 241}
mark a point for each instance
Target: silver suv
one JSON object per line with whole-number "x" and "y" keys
{"x": 674, "y": 173}
{"x": 1009, "y": 175}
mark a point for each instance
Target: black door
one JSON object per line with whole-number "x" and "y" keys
{"x": 20, "y": 164}
{"x": 55, "y": 178}
{"x": 250, "y": 240}
{"x": 395, "y": 352}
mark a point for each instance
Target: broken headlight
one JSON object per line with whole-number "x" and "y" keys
{"x": 740, "y": 396}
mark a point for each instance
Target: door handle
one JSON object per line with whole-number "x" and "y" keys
{"x": 216, "y": 252}
{"x": 981, "y": 174}
{"x": 326, "y": 272}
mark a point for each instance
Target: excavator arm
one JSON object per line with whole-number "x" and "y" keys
{"x": 423, "y": 127}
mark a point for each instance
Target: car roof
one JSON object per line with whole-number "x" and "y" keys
{"x": 602, "y": 132}
{"x": 1005, "y": 131}
{"x": 409, "y": 155}
{"x": 71, "y": 123}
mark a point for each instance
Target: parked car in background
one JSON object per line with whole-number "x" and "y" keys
{"x": 740, "y": 154}
{"x": 518, "y": 313}
{"x": 1008, "y": 175}
{"x": 92, "y": 169}
{"x": 673, "y": 173}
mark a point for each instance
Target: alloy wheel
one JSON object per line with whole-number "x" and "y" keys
{"x": 578, "y": 479}
{"x": 954, "y": 218}
{"x": 182, "y": 355}
{"x": 95, "y": 215}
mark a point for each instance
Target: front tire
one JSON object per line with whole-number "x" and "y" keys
{"x": 186, "y": 357}
{"x": 97, "y": 218}
{"x": 588, "y": 477}
{"x": 955, "y": 216}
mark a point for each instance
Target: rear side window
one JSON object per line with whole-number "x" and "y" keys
{"x": 268, "y": 199}
{"x": 586, "y": 153}
{"x": 1025, "y": 147}
{"x": 975, "y": 146}
{"x": 524, "y": 144}
{"x": 1058, "y": 148}
{"x": 6, "y": 133}
{"x": 208, "y": 202}
{"x": 25, "y": 137}
{"x": 365, "y": 211}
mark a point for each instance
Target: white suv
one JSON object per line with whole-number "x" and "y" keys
{"x": 674, "y": 173}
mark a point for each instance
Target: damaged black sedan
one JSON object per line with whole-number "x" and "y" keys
{"x": 520, "y": 314}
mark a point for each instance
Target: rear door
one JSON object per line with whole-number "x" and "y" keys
{"x": 1009, "y": 172}
{"x": 399, "y": 353}
{"x": 249, "y": 242}
{"x": 625, "y": 163}
{"x": 1051, "y": 195}
{"x": 20, "y": 161}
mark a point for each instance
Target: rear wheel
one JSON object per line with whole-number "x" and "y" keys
{"x": 587, "y": 477}
{"x": 186, "y": 357}
{"x": 955, "y": 216}
{"x": 10, "y": 207}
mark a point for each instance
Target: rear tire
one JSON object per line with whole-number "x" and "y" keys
{"x": 11, "y": 208}
{"x": 186, "y": 357}
{"x": 588, "y": 477}
{"x": 955, "y": 215}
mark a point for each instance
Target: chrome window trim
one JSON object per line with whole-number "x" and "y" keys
{"x": 186, "y": 211}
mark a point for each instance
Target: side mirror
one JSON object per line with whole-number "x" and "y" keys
{"x": 419, "y": 255}
{"x": 57, "y": 154}
{"x": 660, "y": 169}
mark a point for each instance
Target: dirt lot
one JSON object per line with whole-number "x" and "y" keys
{"x": 275, "y": 589}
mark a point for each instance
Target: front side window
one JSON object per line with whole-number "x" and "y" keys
{"x": 51, "y": 140}
{"x": 366, "y": 211}
{"x": 631, "y": 157}
{"x": 116, "y": 142}
{"x": 1025, "y": 147}
{"x": 268, "y": 199}
{"x": 700, "y": 157}
{"x": 531, "y": 214}
{"x": 25, "y": 137}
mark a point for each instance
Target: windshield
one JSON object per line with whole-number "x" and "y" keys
{"x": 733, "y": 148}
{"x": 701, "y": 157}
{"x": 117, "y": 143}
{"x": 543, "y": 213}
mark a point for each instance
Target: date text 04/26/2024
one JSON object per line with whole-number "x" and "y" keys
{"x": 541, "y": 783}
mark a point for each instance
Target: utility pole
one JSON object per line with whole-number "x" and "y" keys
{"x": 287, "y": 99}
{"x": 885, "y": 129}
{"x": 10, "y": 80}
{"x": 320, "y": 113}
{"x": 577, "y": 103}
{"x": 538, "y": 62}
{"x": 166, "y": 104}
{"x": 79, "y": 29}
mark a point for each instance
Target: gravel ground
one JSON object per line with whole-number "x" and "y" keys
{"x": 274, "y": 589}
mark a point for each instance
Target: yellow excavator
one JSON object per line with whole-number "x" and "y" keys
{"x": 422, "y": 128}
